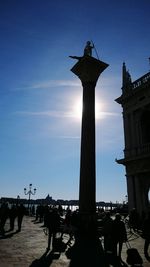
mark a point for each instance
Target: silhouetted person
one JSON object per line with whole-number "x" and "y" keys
{"x": 46, "y": 211}
{"x": 60, "y": 210}
{"x": 4, "y": 214}
{"x": 107, "y": 232}
{"x": 12, "y": 216}
{"x": 134, "y": 220}
{"x": 52, "y": 221}
{"x": 119, "y": 235}
{"x": 20, "y": 213}
{"x": 75, "y": 223}
{"x": 146, "y": 235}
{"x": 33, "y": 210}
{"x": 37, "y": 212}
{"x": 88, "y": 49}
{"x": 41, "y": 213}
{"x": 68, "y": 227}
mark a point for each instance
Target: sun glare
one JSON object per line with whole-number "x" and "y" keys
{"x": 98, "y": 110}
{"x": 77, "y": 110}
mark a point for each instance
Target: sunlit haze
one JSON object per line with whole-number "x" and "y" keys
{"x": 77, "y": 110}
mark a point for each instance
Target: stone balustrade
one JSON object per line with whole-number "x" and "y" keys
{"x": 144, "y": 79}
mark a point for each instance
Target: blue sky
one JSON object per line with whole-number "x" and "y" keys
{"x": 40, "y": 128}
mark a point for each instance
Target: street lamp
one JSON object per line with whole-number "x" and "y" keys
{"x": 29, "y": 193}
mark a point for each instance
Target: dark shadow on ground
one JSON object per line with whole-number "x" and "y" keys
{"x": 36, "y": 222}
{"x": 86, "y": 252}
{"x": 148, "y": 258}
{"x": 48, "y": 257}
{"x": 90, "y": 253}
{"x": 42, "y": 226}
{"x": 45, "y": 260}
{"x": 6, "y": 235}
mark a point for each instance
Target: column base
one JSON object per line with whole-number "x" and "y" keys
{"x": 87, "y": 225}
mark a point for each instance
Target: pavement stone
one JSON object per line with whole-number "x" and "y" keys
{"x": 28, "y": 248}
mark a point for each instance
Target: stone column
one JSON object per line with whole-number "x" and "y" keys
{"x": 88, "y": 70}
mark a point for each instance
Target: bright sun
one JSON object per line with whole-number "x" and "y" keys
{"x": 77, "y": 109}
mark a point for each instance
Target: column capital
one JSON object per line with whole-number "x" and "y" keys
{"x": 88, "y": 68}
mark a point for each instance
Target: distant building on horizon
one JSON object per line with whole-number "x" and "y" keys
{"x": 50, "y": 201}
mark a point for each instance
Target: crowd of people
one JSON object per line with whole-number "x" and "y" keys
{"x": 114, "y": 233}
{"x": 111, "y": 228}
{"x": 15, "y": 212}
{"x": 115, "y": 230}
{"x": 57, "y": 221}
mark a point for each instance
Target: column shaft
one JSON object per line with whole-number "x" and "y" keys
{"x": 87, "y": 160}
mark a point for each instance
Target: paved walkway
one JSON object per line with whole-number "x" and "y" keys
{"x": 28, "y": 249}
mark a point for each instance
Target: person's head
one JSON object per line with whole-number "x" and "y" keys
{"x": 118, "y": 217}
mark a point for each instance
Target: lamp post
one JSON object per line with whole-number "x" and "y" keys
{"x": 29, "y": 193}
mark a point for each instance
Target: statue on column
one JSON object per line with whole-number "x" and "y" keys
{"x": 88, "y": 49}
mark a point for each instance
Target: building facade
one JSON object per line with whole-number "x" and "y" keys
{"x": 135, "y": 102}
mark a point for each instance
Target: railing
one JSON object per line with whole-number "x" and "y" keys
{"x": 144, "y": 79}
